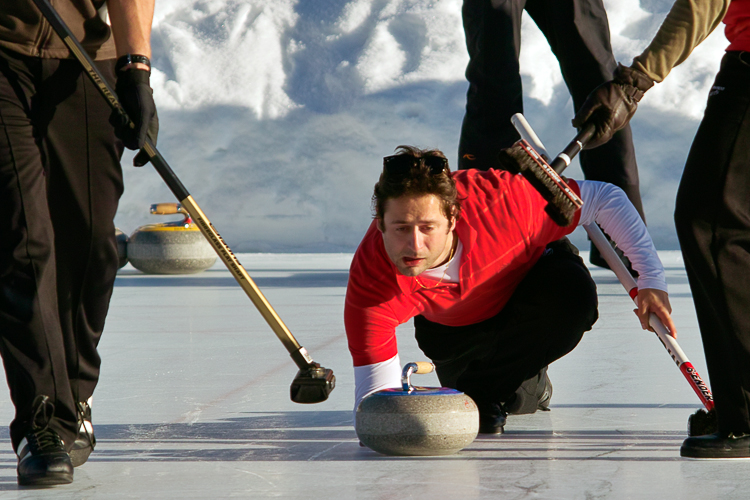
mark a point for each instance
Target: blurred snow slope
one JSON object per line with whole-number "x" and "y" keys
{"x": 275, "y": 115}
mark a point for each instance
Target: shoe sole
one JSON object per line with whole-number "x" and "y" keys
{"x": 45, "y": 480}
{"x": 707, "y": 455}
{"x": 79, "y": 457}
{"x": 497, "y": 430}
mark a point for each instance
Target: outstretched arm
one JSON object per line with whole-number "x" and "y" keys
{"x": 608, "y": 206}
{"x": 688, "y": 23}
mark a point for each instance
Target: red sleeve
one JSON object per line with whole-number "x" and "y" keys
{"x": 541, "y": 226}
{"x": 369, "y": 318}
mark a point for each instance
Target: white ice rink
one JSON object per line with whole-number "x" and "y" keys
{"x": 193, "y": 402}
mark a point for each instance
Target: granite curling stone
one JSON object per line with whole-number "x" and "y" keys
{"x": 176, "y": 247}
{"x": 417, "y": 421}
{"x": 122, "y": 247}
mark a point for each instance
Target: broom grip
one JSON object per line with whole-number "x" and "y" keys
{"x": 571, "y": 150}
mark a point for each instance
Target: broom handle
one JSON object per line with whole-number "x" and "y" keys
{"x": 562, "y": 161}
{"x": 298, "y": 353}
{"x": 618, "y": 267}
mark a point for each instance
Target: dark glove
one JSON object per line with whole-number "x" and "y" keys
{"x": 136, "y": 98}
{"x": 153, "y": 131}
{"x": 611, "y": 105}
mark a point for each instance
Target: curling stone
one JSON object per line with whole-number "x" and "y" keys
{"x": 176, "y": 247}
{"x": 417, "y": 420}
{"x": 122, "y": 247}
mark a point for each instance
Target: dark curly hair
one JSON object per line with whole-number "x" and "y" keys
{"x": 420, "y": 180}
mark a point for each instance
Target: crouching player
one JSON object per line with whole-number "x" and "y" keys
{"x": 496, "y": 291}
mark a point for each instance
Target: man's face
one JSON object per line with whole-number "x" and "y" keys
{"x": 416, "y": 233}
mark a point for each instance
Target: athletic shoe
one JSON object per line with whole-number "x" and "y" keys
{"x": 717, "y": 445}
{"x": 492, "y": 419}
{"x": 42, "y": 459}
{"x": 85, "y": 441}
{"x": 534, "y": 394}
{"x": 545, "y": 392}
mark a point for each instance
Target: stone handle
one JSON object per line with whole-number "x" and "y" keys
{"x": 414, "y": 367}
{"x": 167, "y": 209}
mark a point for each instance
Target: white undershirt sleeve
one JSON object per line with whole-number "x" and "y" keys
{"x": 374, "y": 377}
{"x": 608, "y": 206}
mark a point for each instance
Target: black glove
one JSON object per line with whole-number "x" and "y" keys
{"x": 153, "y": 131}
{"x": 136, "y": 97}
{"x": 611, "y": 105}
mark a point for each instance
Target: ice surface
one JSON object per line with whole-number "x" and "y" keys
{"x": 194, "y": 403}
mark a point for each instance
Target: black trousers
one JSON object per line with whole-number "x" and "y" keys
{"x": 60, "y": 183}
{"x": 578, "y": 33}
{"x": 544, "y": 320}
{"x": 712, "y": 214}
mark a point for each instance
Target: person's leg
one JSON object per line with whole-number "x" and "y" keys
{"x": 493, "y": 39}
{"x": 31, "y": 341}
{"x": 578, "y": 33}
{"x": 712, "y": 217}
{"x": 84, "y": 188}
{"x": 544, "y": 320}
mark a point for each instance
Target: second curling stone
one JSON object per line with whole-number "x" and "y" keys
{"x": 176, "y": 247}
{"x": 122, "y": 248}
{"x": 417, "y": 420}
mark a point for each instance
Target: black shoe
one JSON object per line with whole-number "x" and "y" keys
{"x": 492, "y": 419}
{"x": 85, "y": 441}
{"x": 42, "y": 459}
{"x": 717, "y": 445}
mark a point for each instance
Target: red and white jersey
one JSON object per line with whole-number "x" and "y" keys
{"x": 503, "y": 230}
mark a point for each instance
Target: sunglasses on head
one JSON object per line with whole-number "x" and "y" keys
{"x": 401, "y": 165}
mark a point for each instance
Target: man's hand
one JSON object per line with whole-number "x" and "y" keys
{"x": 136, "y": 97}
{"x": 611, "y": 105}
{"x": 651, "y": 300}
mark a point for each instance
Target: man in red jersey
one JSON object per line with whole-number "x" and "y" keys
{"x": 496, "y": 291}
{"x": 712, "y": 213}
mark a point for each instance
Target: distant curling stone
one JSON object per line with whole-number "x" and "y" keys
{"x": 417, "y": 421}
{"x": 122, "y": 247}
{"x": 176, "y": 247}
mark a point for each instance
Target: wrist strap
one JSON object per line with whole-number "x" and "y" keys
{"x": 132, "y": 59}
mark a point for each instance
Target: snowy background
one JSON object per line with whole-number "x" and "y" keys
{"x": 275, "y": 115}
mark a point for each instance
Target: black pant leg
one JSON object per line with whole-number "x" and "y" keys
{"x": 31, "y": 341}
{"x": 84, "y": 188}
{"x": 493, "y": 39}
{"x": 712, "y": 216}
{"x": 578, "y": 34}
{"x": 544, "y": 320}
